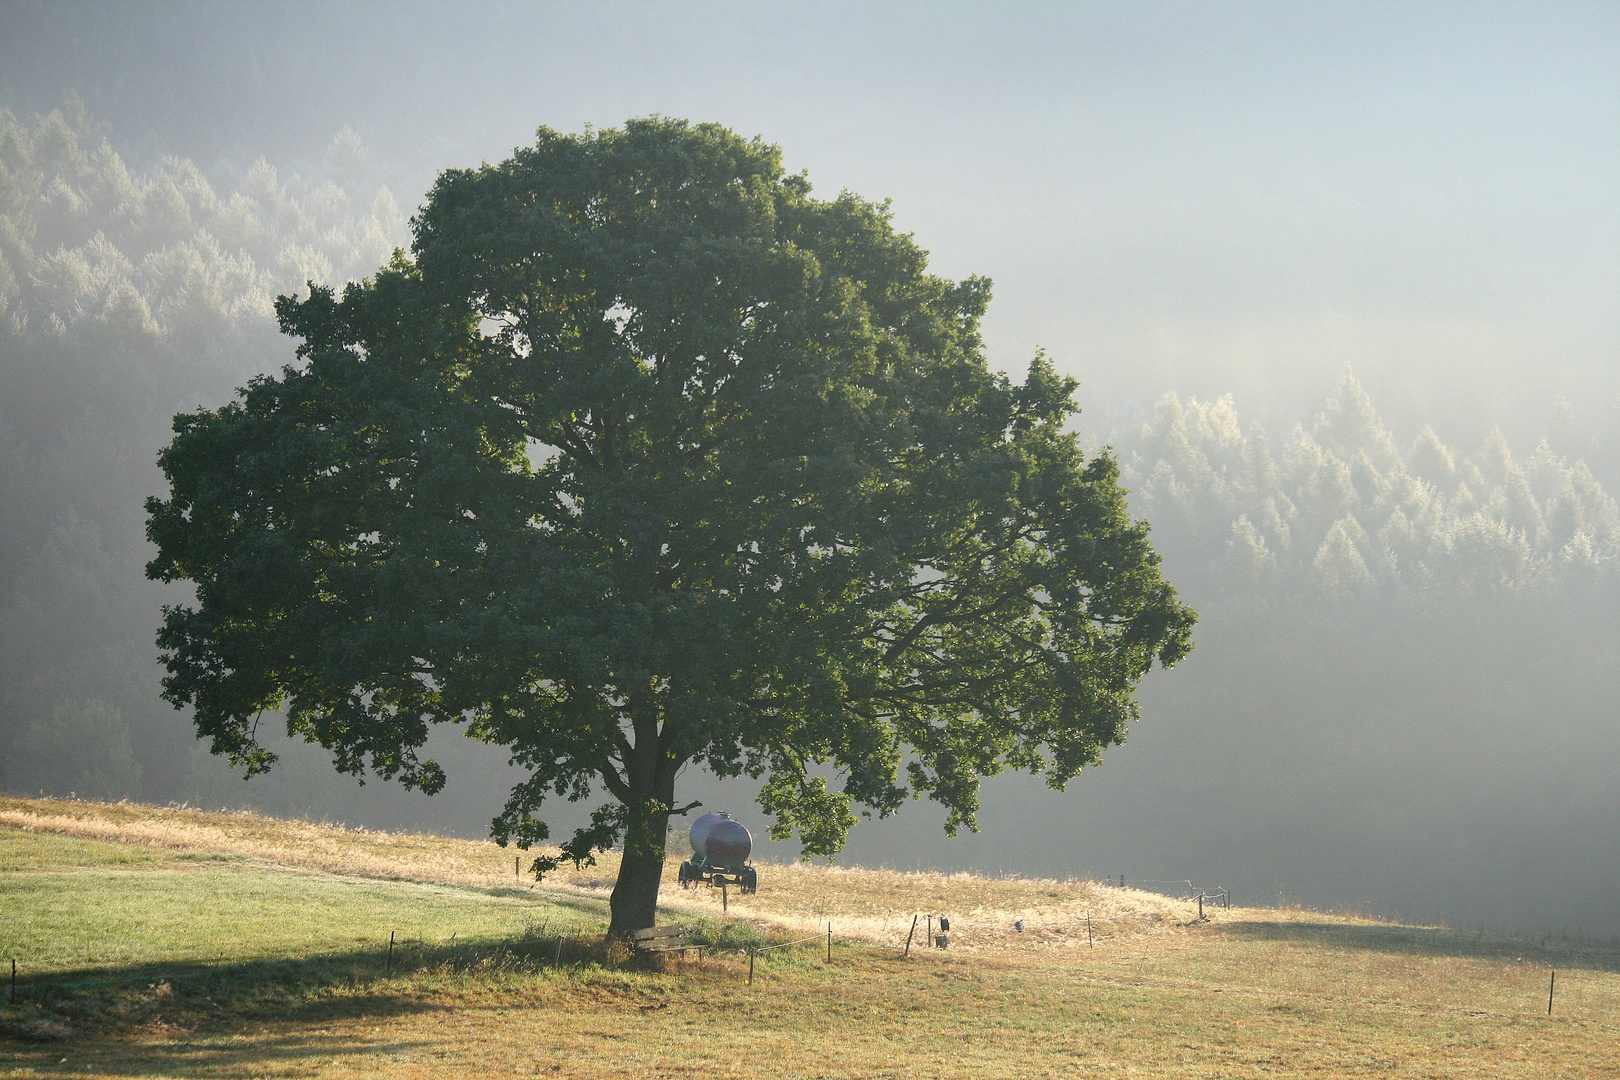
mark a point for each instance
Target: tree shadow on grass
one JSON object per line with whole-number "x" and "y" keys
{"x": 248, "y": 1055}
{"x": 1431, "y": 941}
{"x": 101, "y": 1003}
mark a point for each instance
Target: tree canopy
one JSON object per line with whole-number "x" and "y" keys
{"x": 644, "y": 456}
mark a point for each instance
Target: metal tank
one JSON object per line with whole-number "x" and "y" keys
{"x": 720, "y": 842}
{"x": 720, "y": 850}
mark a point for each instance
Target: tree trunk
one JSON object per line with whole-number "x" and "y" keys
{"x": 650, "y": 777}
{"x": 635, "y": 894}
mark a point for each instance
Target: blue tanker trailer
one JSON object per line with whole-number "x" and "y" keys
{"x": 720, "y": 850}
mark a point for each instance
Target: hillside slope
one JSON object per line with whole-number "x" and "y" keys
{"x": 172, "y": 942}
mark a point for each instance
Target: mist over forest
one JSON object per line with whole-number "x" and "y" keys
{"x": 1405, "y": 695}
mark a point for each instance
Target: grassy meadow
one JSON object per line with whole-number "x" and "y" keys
{"x": 170, "y": 942}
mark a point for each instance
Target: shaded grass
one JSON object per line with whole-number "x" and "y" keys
{"x": 1426, "y": 941}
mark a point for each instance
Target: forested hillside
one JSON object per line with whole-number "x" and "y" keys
{"x": 1345, "y": 511}
{"x": 127, "y": 295}
{"x": 1394, "y": 626}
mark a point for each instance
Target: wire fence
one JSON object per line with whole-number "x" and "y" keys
{"x": 1091, "y": 921}
{"x": 1189, "y": 892}
{"x": 785, "y": 944}
{"x": 753, "y": 952}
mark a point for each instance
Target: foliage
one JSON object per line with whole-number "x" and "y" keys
{"x": 1343, "y": 512}
{"x": 651, "y": 458}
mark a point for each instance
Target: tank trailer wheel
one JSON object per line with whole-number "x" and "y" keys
{"x": 748, "y": 878}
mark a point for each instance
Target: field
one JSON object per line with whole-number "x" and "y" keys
{"x": 168, "y": 942}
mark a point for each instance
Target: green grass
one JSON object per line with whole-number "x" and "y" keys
{"x": 150, "y": 961}
{"x": 21, "y": 850}
{"x": 105, "y": 906}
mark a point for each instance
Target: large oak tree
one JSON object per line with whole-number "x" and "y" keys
{"x": 643, "y": 457}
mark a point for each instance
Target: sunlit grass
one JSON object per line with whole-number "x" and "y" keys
{"x": 864, "y": 904}
{"x": 165, "y": 956}
{"x": 74, "y": 922}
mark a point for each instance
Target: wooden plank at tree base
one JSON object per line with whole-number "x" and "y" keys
{"x": 662, "y": 939}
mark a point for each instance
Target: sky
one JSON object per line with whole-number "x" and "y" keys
{"x": 1198, "y": 197}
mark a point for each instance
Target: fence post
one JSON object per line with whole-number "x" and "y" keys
{"x": 1200, "y": 905}
{"x": 829, "y": 943}
{"x": 1550, "y": 983}
{"x": 912, "y": 933}
{"x": 389, "y": 966}
{"x": 752, "y": 952}
{"x": 1093, "y": 944}
{"x": 14, "y": 980}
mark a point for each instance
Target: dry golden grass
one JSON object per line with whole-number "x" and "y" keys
{"x": 1247, "y": 993}
{"x": 877, "y": 906}
{"x": 865, "y": 905}
{"x": 330, "y": 848}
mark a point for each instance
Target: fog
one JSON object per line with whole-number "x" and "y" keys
{"x": 1340, "y": 284}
